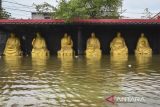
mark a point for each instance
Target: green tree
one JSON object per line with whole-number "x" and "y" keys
{"x": 45, "y": 7}
{"x": 71, "y": 9}
{"x": 4, "y": 14}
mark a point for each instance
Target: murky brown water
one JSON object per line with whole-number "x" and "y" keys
{"x": 26, "y": 82}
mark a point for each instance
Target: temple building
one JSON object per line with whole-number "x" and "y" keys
{"x": 42, "y": 15}
{"x": 80, "y": 30}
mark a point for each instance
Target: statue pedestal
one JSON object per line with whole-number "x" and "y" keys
{"x": 93, "y": 53}
{"x": 40, "y": 53}
{"x": 119, "y": 52}
{"x": 63, "y": 53}
{"x": 143, "y": 52}
{"x": 12, "y": 52}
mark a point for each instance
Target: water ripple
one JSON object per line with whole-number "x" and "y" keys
{"x": 78, "y": 82}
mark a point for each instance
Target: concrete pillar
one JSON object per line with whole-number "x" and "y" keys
{"x": 3, "y": 39}
{"x": 1, "y": 9}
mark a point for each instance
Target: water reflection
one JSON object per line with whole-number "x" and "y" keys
{"x": 78, "y": 85}
{"x": 77, "y": 82}
{"x": 8, "y": 78}
{"x": 93, "y": 65}
{"x": 118, "y": 63}
{"x": 39, "y": 64}
{"x": 13, "y": 62}
{"x": 66, "y": 63}
{"x": 140, "y": 59}
{"x": 142, "y": 63}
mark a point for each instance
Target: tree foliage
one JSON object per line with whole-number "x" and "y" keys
{"x": 71, "y": 9}
{"x": 45, "y": 7}
{"x": 4, "y": 14}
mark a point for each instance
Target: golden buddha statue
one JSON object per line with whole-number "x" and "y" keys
{"x": 66, "y": 46}
{"x": 118, "y": 46}
{"x": 93, "y": 47}
{"x": 12, "y": 47}
{"x": 39, "y": 47}
{"x": 143, "y": 47}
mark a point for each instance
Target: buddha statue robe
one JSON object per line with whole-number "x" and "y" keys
{"x": 12, "y": 47}
{"x": 93, "y": 47}
{"x": 143, "y": 47}
{"x": 39, "y": 47}
{"x": 118, "y": 46}
{"x": 66, "y": 47}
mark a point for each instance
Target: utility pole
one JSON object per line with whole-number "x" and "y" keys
{"x": 0, "y": 8}
{"x": 0, "y": 3}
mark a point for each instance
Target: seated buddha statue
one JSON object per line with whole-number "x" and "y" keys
{"x": 39, "y": 47}
{"x": 12, "y": 47}
{"x": 143, "y": 47}
{"x": 93, "y": 47}
{"x": 118, "y": 46}
{"x": 66, "y": 46}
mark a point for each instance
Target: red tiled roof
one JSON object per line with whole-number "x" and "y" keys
{"x": 81, "y": 21}
{"x": 30, "y": 21}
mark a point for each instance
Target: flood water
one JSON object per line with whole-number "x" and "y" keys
{"x": 78, "y": 82}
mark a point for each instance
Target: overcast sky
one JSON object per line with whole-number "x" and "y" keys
{"x": 134, "y": 8}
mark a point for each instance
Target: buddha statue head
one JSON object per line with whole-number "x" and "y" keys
{"x": 142, "y": 44}
{"x": 69, "y": 40}
{"x": 38, "y": 35}
{"x": 65, "y": 35}
{"x": 12, "y": 35}
{"x": 142, "y": 41}
{"x": 118, "y": 42}
{"x": 93, "y": 35}
{"x": 142, "y": 35}
{"x": 69, "y": 37}
{"x": 118, "y": 34}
